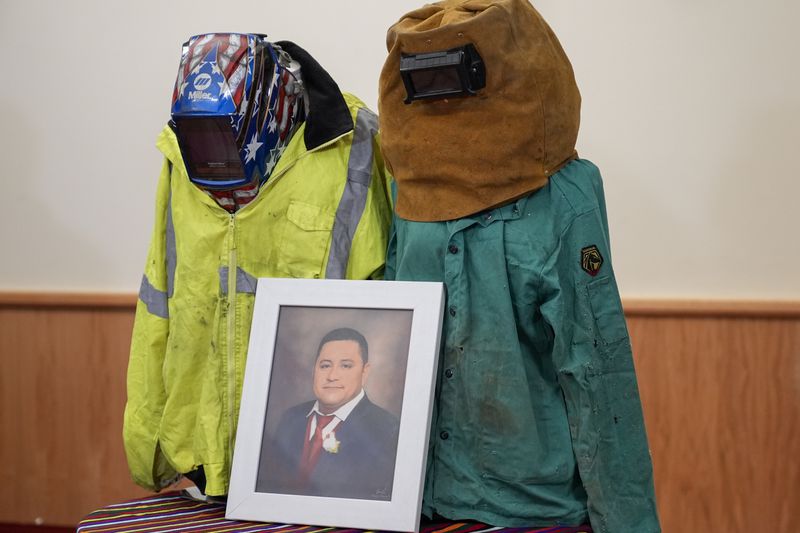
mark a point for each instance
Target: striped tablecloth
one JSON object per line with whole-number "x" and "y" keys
{"x": 172, "y": 512}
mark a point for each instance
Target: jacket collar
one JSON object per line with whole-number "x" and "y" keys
{"x": 328, "y": 116}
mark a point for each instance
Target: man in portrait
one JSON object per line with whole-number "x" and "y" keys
{"x": 339, "y": 444}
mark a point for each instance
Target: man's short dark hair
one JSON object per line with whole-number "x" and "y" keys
{"x": 346, "y": 334}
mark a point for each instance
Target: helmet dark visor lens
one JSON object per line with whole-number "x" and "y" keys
{"x": 209, "y": 149}
{"x": 456, "y": 72}
{"x": 436, "y": 81}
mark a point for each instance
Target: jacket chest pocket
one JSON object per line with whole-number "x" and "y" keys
{"x": 305, "y": 240}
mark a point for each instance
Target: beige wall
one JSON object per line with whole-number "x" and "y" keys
{"x": 691, "y": 109}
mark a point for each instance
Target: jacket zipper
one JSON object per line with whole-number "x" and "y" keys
{"x": 232, "y": 269}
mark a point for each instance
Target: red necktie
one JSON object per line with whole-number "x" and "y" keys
{"x": 313, "y": 446}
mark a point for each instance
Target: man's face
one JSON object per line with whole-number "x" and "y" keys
{"x": 339, "y": 374}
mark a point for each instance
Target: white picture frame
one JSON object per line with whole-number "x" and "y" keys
{"x": 290, "y": 318}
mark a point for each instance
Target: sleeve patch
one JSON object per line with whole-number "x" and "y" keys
{"x": 591, "y": 260}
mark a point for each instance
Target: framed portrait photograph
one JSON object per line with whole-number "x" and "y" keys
{"x": 336, "y": 403}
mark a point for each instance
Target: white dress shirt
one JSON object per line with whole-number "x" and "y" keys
{"x": 340, "y": 414}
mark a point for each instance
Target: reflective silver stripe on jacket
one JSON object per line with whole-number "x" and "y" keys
{"x": 245, "y": 282}
{"x": 354, "y": 197}
{"x": 154, "y": 299}
{"x": 172, "y": 254}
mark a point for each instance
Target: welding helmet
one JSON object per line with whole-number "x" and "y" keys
{"x": 236, "y": 102}
{"x": 478, "y": 106}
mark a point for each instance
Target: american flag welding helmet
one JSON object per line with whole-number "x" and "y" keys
{"x": 236, "y": 102}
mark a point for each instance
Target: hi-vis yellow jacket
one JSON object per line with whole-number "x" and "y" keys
{"x": 324, "y": 213}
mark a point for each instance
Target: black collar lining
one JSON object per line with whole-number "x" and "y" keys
{"x": 328, "y": 116}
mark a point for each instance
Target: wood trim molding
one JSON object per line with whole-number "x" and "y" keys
{"x": 634, "y": 307}
{"x": 712, "y": 308}
{"x": 79, "y": 300}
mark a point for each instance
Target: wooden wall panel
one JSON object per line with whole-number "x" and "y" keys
{"x": 62, "y": 392}
{"x": 720, "y": 385}
{"x": 722, "y": 407}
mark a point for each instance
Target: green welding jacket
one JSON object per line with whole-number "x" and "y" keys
{"x": 324, "y": 212}
{"x": 537, "y": 419}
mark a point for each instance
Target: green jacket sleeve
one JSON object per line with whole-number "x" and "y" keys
{"x": 146, "y": 393}
{"x": 592, "y": 355}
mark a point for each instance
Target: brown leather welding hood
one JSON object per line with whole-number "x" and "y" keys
{"x": 457, "y": 156}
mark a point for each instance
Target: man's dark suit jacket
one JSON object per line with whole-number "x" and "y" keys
{"x": 362, "y": 468}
